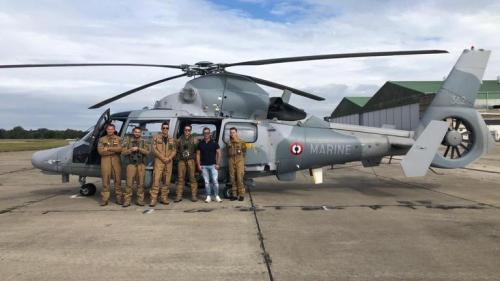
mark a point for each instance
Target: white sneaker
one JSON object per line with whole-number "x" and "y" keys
{"x": 208, "y": 200}
{"x": 217, "y": 198}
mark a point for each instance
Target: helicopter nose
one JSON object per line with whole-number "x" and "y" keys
{"x": 46, "y": 160}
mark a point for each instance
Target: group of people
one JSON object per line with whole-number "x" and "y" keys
{"x": 204, "y": 155}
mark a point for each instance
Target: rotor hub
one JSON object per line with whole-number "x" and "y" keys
{"x": 202, "y": 68}
{"x": 453, "y": 138}
{"x": 204, "y": 64}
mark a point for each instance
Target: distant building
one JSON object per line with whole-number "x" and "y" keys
{"x": 401, "y": 104}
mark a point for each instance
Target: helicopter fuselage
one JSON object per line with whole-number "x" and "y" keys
{"x": 274, "y": 147}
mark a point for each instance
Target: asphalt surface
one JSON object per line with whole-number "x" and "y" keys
{"x": 361, "y": 224}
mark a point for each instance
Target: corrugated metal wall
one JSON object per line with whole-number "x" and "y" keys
{"x": 404, "y": 117}
{"x": 352, "y": 119}
{"x": 483, "y": 103}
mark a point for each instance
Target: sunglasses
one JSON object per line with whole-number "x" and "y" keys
{"x": 164, "y": 128}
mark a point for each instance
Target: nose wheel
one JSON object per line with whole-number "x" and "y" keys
{"x": 227, "y": 191}
{"x": 87, "y": 189}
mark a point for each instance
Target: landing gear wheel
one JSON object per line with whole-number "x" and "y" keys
{"x": 88, "y": 189}
{"x": 227, "y": 192}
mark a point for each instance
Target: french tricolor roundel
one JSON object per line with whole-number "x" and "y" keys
{"x": 296, "y": 148}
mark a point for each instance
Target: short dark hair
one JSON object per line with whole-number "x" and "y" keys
{"x": 110, "y": 125}
{"x": 233, "y": 128}
{"x": 137, "y": 128}
{"x": 205, "y": 129}
{"x": 188, "y": 126}
{"x": 165, "y": 123}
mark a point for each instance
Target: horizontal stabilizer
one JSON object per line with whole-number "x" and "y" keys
{"x": 419, "y": 158}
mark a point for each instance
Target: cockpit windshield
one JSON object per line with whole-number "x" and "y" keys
{"x": 87, "y": 134}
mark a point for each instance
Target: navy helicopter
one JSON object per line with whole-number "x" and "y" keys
{"x": 283, "y": 139}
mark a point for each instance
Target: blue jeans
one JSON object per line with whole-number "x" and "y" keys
{"x": 210, "y": 175}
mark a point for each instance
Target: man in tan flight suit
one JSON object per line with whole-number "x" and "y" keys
{"x": 135, "y": 151}
{"x": 109, "y": 147}
{"x": 186, "y": 153}
{"x": 164, "y": 150}
{"x": 236, "y": 149}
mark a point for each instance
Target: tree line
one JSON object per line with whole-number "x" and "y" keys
{"x": 19, "y": 132}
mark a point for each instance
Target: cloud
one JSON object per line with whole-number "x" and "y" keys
{"x": 177, "y": 32}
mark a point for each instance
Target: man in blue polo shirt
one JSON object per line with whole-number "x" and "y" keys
{"x": 208, "y": 158}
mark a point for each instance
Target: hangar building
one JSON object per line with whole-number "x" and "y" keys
{"x": 400, "y": 104}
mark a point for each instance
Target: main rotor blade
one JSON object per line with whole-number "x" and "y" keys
{"x": 280, "y": 86}
{"x": 335, "y": 56}
{"x": 87, "y": 64}
{"x": 112, "y": 99}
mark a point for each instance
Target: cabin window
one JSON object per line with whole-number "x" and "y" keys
{"x": 118, "y": 126}
{"x": 149, "y": 127}
{"x": 197, "y": 125}
{"x": 246, "y": 131}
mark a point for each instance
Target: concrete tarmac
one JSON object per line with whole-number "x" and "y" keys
{"x": 361, "y": 224}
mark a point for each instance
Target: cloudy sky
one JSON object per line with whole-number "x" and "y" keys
{"x": 179, "y": 32}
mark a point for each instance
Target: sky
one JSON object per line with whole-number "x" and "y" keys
{"x": 185, "y": 32}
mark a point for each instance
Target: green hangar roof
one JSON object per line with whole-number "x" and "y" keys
{"x": 489, "y": 88}
{"x": 397, "y": 93}
{"x": 350, "y": 105}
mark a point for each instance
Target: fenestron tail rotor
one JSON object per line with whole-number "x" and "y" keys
{"x": 205, "y": 67}
{"x": 459, "y": 140}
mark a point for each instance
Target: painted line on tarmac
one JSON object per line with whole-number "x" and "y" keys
{"x": 25, "y": 204}
{"x": 401, "y": 204}
{"x": 421, "y": 186}
{"x": 479, "y": 170}
{"x": 267, "y": 258}
{"x": 17, "y": 171}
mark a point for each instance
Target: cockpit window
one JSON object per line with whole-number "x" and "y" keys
{"x": 197, "y": 131}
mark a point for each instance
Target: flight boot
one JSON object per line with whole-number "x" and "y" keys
{"x": 119, "y": 199}
{"x": 164, "y": 200}
{"x": 153, "y": 202}
{"x": 104, "y": 198}
{"x": 140, "y": 198}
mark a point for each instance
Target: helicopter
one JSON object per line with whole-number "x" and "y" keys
{"x": 283, "y": 139}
